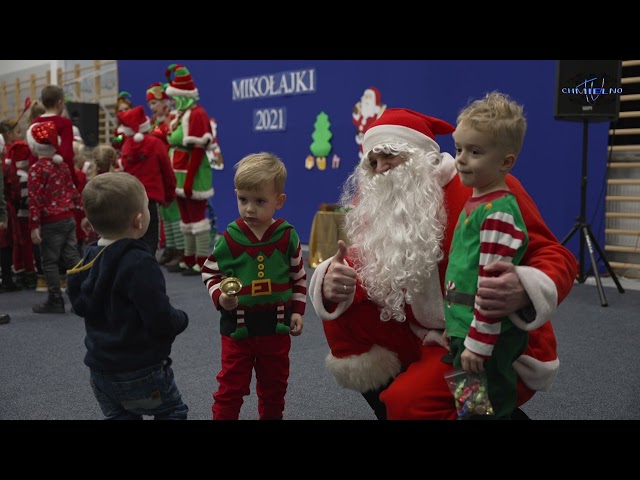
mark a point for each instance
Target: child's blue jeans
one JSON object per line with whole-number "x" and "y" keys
{"x": 149, "y": 391}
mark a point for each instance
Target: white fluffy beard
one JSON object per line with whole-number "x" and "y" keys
{"x": 395, "y": 230}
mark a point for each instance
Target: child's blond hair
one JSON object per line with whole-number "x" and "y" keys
{"x": 79, "y": 160}
{"x": 37, "y": 108}
{"x": 259, "y": 169}
{"x": 6, "y": 126}
{"x": 104, "y": 160}
{"x": 111, "y": 201}
{"x": 499, "y": 117}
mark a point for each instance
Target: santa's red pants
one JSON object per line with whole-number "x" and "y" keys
{"x": 269, "y": 356}
{"x": 421, "y": 392}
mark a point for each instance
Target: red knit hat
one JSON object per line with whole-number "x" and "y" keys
{"x": 401, "y": 124}
{"x": 156, "y": 92}
{"x": 43, "y": 140}
{"x": 182, "y": 84}
{"x": 134, "y": 122}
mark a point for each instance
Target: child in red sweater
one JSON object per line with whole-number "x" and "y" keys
{"x": 146, "y": 157}
{"x": 52, "y": 201}
{"x": 53, "y": 100}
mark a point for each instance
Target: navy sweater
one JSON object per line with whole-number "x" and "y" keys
{"x": 120, "y": 291}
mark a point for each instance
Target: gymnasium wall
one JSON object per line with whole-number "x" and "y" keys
{"x": 549, "y": 165}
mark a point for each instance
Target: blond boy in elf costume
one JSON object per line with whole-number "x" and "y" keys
{"x": 262, "y": 256}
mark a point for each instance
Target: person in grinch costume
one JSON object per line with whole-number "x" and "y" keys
{"x": 189, "y": 137}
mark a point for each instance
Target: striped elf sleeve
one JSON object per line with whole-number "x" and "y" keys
{"x": 298, "y": 277}
{"x": 212, "y": 276}
{"x": 500, "y": 238}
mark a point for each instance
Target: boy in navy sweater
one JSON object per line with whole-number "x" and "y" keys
{"x": 120, "y": 291}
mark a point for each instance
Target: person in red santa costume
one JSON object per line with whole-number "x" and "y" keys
{"x": 381, "y": 299}
{"x": 365, "y": 112}
{"x": 146, "y": 157}
{"x": 161, "y": 115}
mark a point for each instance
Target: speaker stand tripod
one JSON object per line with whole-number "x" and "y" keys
{"x": 587, "y": 236}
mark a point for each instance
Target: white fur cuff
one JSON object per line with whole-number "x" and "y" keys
{"x": 543, "y": 294}
{"x": 315, "y": 294}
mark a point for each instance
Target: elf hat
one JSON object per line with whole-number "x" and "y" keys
{"x": 124, "y": 98}
{"x": 156, "y": 92}
{"x": 134, "y": 122}
{"x": 182, "y": 84}
{"x": 43, "y": 140}
{"x": 404, "y": 125}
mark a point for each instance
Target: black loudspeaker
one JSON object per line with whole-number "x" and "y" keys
{"x": 588, "y": 90}
{"x": 85, "y": 117}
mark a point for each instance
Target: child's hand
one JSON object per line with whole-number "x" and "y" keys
{"x": 86, "y": 226}
{"x": 35, "y": 236}
{"x": 228, "y": 302}
{"x": 296, "y": 324}
{"x": 446, "y": 340}
{"x": 471, "y": 363}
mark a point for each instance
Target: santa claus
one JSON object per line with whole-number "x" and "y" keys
{"x": 381, "y": 300}
{"x": 365, "y": 112}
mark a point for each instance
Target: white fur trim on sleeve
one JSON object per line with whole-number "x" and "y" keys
{"x": 543, "y": 294}
{"x": 535, "y": 374}
{"x": 315, "y": 294}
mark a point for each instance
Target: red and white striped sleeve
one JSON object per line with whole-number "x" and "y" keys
{"x": 500, "y": 239}
{"x": 212, "y": 276}
{"x": 299, "y": 281}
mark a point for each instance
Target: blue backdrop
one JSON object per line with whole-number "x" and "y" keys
{"x": 549, "y": 165}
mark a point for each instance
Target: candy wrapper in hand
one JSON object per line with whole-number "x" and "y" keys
{"x": 469, "y": 391}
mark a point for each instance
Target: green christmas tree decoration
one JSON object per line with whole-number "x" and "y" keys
{"x": 321, "y": 145}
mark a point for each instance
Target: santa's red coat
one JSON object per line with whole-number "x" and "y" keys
{"x": 366, "y": 353}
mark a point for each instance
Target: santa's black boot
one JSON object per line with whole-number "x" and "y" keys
{"x": 373, "y": 399}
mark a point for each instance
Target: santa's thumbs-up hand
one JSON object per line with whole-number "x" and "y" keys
{"x": 341, "y": 253}
{"x": 340, "y": 279}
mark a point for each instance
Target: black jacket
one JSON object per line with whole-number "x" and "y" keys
{"x": 120, "y": 292}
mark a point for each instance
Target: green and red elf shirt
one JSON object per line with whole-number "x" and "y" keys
{"x": 489, "y": 228}
{"x": 271, "y": 271}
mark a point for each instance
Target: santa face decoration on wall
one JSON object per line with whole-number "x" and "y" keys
{"x": 365, "y": 112}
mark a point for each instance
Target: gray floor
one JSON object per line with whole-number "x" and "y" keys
{"x": 42, "y": 375}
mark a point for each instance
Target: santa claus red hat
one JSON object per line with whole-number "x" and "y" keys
{"x": 404, "y": 125}
{"x": 182, "y": 84}
{"x": 44, "y": 141}
{"x": 156, "y": 92}
{"x": 134, "y": 122}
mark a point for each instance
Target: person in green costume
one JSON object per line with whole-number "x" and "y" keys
{"x": 263, "y": 256}
{"x": 189, "y": 138}
{"x": 490, "y": 228}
